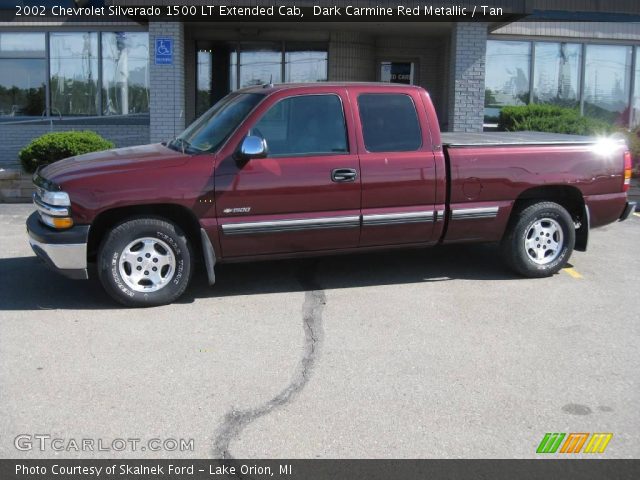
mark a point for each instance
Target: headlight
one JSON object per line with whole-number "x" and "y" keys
{"x": 54, "y": 208}
{"x": 56, "y": 198}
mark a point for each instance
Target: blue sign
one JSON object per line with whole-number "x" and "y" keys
{"x": 164, "y": 51}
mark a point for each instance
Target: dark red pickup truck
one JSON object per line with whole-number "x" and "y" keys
{"x": 295, "y": 170}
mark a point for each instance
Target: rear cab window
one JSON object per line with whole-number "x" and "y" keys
{"x": 389, "y": 122}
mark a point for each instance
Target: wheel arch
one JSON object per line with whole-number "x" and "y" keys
{"x": 567, "y": 196}
{"x": 178, "y": 214}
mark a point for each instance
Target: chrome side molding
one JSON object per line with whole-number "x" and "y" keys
{"x": 473, "y": 213}
{"x": 291, "y": 225}
{"x": 396, "y": 218}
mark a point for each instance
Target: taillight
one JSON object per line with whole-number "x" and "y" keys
{"x": 627, "y": 171}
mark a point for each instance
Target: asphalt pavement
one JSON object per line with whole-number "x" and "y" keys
{"x": 439, "y": 353}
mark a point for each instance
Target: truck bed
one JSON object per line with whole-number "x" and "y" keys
{"x": 490, "y": 139}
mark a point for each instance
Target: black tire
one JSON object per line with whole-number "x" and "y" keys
{"x": 515, "y": 252}
{"x": 177, "y": 276}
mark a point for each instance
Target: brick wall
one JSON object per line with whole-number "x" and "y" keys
{"x": 167, "y": 84}
{"x": 466, "y": 77}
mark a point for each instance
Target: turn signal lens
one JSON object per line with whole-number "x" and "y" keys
{"x": 62, "y": 222}
{"x": 56, "y": 222}
{"x": 627, "y": 171}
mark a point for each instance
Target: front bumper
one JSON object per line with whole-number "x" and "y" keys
{"x": 65, "y": 251}
{"x": 628, "y": 210}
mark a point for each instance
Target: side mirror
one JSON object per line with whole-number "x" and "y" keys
{"x": 252, "y": 147}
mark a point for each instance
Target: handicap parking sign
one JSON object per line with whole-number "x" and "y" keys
{"x": 164, "y": 51}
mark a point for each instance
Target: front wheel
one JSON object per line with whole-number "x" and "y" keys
{"x": 145, "y": 262}
{"x": 540, "y": 240}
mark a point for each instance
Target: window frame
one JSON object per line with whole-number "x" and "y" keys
{"x": 306, "y": 155}
{"x": 415, "y": 108}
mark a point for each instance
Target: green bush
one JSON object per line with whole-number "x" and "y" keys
{"x": 551, "y": 118}
{"x": 52, "y": 147}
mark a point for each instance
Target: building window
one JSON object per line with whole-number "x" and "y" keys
{"x": 74, "y": 73}
{"x": 558, "y": 70}
{"x": 125, "y": 73}
{"x": 261, "y": 63}
{"x": 304, "y": 64}
{"x": 556, "y": 76}
{"x": 507, "y": 76}
{"x": 635, "y": 121}
{"x": 23, "y": 74}
{"x": 204, "y": 81}
{"x": 607, "y": 82}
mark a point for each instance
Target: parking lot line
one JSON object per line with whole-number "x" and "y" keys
{"x": 572, "y": 272}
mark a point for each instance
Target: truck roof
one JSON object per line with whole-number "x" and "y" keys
{"x": 270, "y": 88}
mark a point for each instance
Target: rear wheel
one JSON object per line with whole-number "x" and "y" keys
{"x": 540, "y": 240}
{"x": 145, "y": 262}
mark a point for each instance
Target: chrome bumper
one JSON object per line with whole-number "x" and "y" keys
{"x": 65, "y": 251}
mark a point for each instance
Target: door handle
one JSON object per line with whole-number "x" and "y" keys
{"x": 343, "y": 175}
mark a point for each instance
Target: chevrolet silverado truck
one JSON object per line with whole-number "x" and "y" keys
{"x": 298, "y": 170}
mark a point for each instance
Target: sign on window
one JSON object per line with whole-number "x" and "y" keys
{"x": 397, "y": 72}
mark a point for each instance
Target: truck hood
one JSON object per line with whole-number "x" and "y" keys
{"x": 111, "y": 161}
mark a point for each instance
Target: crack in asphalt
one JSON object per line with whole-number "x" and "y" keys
{"x": 235, "y": 421}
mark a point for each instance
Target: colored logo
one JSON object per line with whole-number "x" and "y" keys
{"x": 573, "y": 442}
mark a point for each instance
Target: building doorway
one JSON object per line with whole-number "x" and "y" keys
{"x": 225, "y": 67}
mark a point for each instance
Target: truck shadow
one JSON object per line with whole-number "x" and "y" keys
{"x": 26, "y": 284}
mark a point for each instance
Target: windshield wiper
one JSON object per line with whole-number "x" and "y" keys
{"x": 183, "y": 145}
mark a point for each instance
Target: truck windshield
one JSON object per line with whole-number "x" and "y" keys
{"x": 209, "y": 131}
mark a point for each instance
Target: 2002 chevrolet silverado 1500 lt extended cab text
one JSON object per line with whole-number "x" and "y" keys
{"x": 295, "y": 170}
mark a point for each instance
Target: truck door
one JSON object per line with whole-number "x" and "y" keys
{"x": 305, "y": 194}
{"x": 397, "y": 168}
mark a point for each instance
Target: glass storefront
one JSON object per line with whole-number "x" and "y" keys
{"x": 556, "y": 75}
{"x": 23, "y": 74}
{"x": 74, "y": 73}
{"x": 125, "y": 73}
{"x": 82, "y": 78}
{"x": 552, "y": 71}
{"x": 507, "y": 75}
{"x": 635, "y": 111}
{"x": 607, "y": 82}
{"x": 204, "y": 81}
{"x": 304, "y": 64}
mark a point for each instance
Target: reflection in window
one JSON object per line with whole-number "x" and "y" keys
{"x": 125, "y": 73}
{"x": 260, "y": 65}
{"x": 556, "y": 76}
{"x": 22, "y": 74}
{"x": 22, "y": 45}
{"x": 204, "y": 79}
{"x": 305, "y": 65}
{"x": 507, "y": 76}
{"x": 74, "y": 73}
{"x": 264, "y": 62}
{"x": 636, "y": 93}
{"x": 607, "y": 82}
